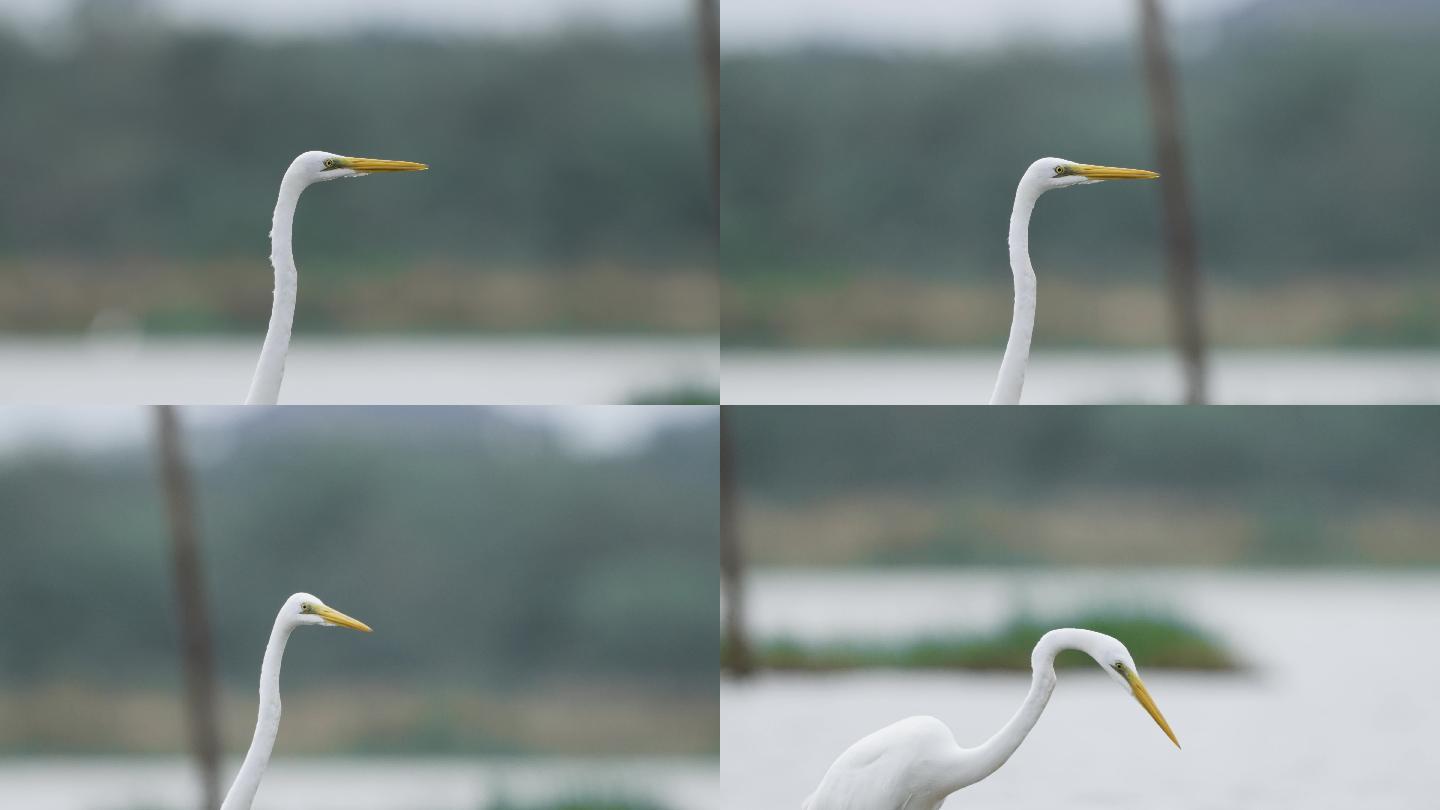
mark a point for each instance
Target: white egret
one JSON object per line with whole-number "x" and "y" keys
{"x": 299, "y": 610}
{"x": 309, "y": 168}
{"x": 1043, "y": 175}
{"x": 915, "y": 764}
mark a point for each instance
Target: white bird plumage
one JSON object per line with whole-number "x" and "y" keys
{"x": 915, "y": 764}
{"x": 299, "y": 610}
{"x": 306, "y": 170}
{"x": 1042, "y": 176}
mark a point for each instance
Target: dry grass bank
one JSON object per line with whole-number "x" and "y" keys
{"x": 1082, "y": 528}
{"x": 68, "y": 718}
{"x": 892, "y": 310}
{"x": 56, "y": 297}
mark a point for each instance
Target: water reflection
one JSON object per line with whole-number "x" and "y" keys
{"x": 351, "y": 784}
{"x": 942, "y": 377}
{"x": 522, "y": 370}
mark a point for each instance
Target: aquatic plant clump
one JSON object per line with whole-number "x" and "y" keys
{"x": 1156, "y": 641}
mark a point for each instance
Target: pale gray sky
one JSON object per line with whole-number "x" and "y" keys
{"x": 604, "y": 429}
{"x": 319, "y": 16}
{"x": 932, "y": 24}
{"x": 939, "y": 24}
{"x": 599, "y": 429}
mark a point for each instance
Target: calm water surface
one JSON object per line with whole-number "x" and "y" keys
{"x": 1338, "y": 709}
{"x": 207, "y": 371}
{"x": 1079, "y": 377}
{"x": 360, "y": 784}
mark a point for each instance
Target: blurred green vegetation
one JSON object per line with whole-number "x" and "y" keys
{"x": 148, "y": 156}
{"x": 696, "y": 394}
{"x": 512, "y": 581}
{"x": 1099, "y": 486}
{"x": 850, "y": 172}
{"x": 1156, "y": 642}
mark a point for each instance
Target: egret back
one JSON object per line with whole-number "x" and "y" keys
{"x": 908, "y": 765}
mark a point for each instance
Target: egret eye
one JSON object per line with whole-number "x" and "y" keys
{"x": 1061, "y": 171}
{"x": 330, "y": 163}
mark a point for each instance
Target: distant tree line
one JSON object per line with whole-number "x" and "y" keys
{"x": 1256, "y": 455}
{"x": 482, "y": 550}
{"x": 1310, "y": 151}
{"x": 971, "y": 486}
{"x": 133, "y": 140}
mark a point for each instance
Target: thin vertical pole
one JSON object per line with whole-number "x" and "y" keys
{"x": 1184, "y": 276}
{"x": 708, "y": 29}
{"x": 738, "y": 658}
{"x": 199, "y": 662}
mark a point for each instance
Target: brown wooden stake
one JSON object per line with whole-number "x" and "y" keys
{"x": 1184, "y": 275}
{"x": 738, "y": 659}
{"x": 199, "y": 662}
{"x": 707, "y": 13}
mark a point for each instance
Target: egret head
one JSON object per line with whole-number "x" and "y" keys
{"x": 1112, "y": 657}
{"x": 315, "y": 167}
{"x": 303, "y": 608}
{"x": 1047, "y": 173}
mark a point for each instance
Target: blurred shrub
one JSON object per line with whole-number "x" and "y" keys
{"x": 483, "y": 551}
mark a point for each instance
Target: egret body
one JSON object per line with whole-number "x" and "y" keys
{"x": 915, "y": 764}
{"x": 299, "y": 610}
{"x": 1043, "y": 175}
{"x": 307, "y": 169}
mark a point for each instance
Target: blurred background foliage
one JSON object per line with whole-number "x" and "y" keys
{"x": 867, "y": 190}
{"x": 144, "y": 159}
{"x": 526, "y": 595}
{"x": 1107, "y": 486}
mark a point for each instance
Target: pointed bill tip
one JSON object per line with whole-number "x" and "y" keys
{"x": 1142, "y": 695}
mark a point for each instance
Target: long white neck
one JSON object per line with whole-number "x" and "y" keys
{"x": 265, "y": 386}
{"x": 985, "y": 759}
{"x": 1022, "y": 323}
{"x": 267, "y": 724}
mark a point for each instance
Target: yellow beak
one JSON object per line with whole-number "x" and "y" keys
{"x": 377, "y": 165}
{"x": 334, "y": 616}
{"x": 1143, "y": 695}
{"x": 1111, "y": 172}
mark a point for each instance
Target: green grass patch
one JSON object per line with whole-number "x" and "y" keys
{"x": 1156, "y": 642}
{"x": 685, "y": 394}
